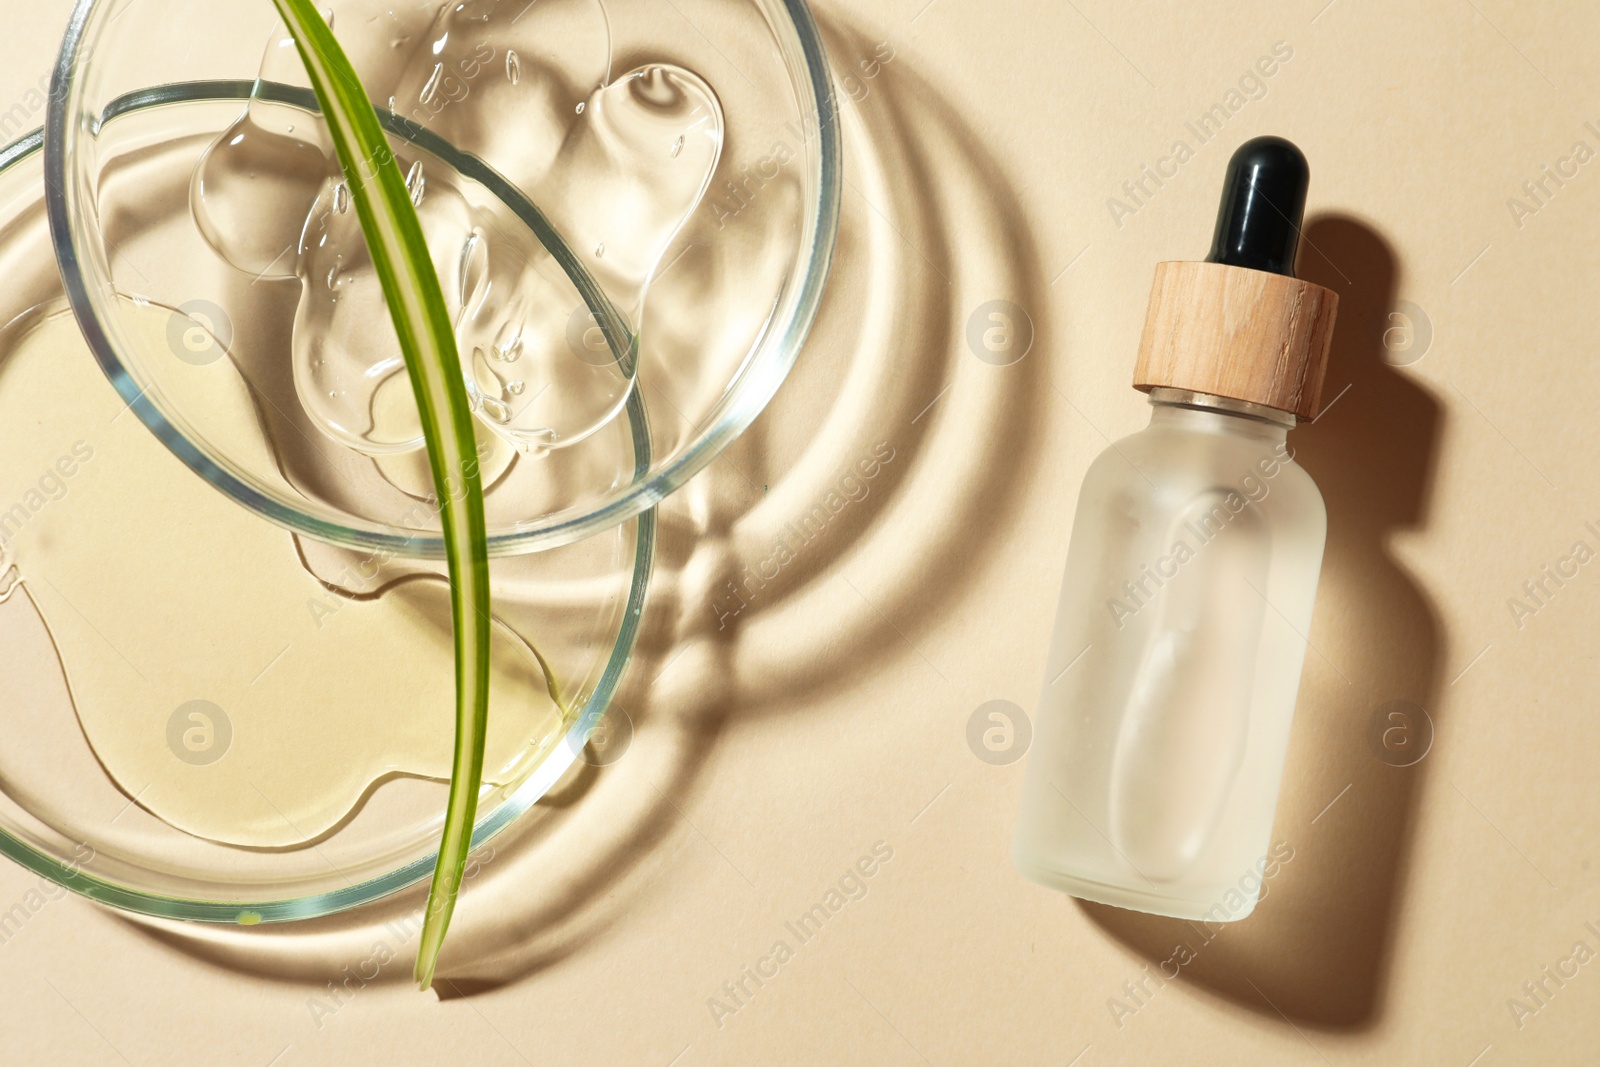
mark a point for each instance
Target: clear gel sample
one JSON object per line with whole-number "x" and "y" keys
{"x": 618, "y": 165}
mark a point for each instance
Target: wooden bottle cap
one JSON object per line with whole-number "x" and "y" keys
{"x": 1239, "y": 333}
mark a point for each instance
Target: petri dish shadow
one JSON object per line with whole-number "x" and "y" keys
{"x": 1317, "y": 951}
{"x": 895, "y": 377}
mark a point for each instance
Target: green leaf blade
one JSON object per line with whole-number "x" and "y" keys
{"x": 400, "y": 257}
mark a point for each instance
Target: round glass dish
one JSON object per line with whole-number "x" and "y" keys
{"x": 730, "y": 299}
{"x": 79, "y": 475}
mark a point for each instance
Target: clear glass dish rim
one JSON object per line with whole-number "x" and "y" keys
{"x": 286, "y": 909}
{"x": 67, "y": 117}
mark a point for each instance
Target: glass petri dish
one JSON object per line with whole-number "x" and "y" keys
{"x": 717, "y": 324}
{"x": 141, "y": 619}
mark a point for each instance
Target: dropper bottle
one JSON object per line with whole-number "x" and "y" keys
{"x": 1191, "y": 574}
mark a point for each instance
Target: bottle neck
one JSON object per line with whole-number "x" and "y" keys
{"x": 1203, "y": 411}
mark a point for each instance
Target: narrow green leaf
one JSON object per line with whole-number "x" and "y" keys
{"x": 416, "y": 304}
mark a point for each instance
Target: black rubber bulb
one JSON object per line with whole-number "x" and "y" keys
{"x": 1263, "y": 199}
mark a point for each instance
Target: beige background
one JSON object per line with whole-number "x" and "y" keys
{"x": 831, "y": 713}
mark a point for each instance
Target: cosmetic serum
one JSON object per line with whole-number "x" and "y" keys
{"x": 1193, "y": 566}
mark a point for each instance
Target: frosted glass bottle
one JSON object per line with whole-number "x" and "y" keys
{"x": 1175, "y": 662}
{"x": 1181, "y": 628}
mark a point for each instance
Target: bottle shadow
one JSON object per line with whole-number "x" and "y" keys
{"x": 1317, "y": 951}
{"x": 893, "y": 413}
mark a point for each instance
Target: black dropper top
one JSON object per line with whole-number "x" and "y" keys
{"x": 1263, "y": 199}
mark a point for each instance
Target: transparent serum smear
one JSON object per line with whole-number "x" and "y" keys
{"x": 253, "y": 189}
{"x": 317, "y": 697}
{"x": 534, "y": 372}
{"x": 617, "y": 169}
{"x": 631, "y": 171}
{"x": 1182, "y": 735}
